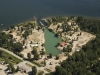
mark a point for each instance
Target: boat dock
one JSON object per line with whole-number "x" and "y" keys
{"x": 41, "y": 23}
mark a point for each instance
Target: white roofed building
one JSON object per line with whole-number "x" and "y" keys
{"x": 32, "y": 45}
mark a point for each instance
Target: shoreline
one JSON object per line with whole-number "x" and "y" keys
{"x": 43, "y": 18}
{"x": 37, "y": 22}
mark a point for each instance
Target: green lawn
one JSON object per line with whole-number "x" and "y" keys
{"x": 8, "y": 58}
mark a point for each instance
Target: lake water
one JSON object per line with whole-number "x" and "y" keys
{"x": 16, "y": 11}
{"x": 51, "y": 42}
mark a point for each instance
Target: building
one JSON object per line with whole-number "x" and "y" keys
{"x": 63, "y": 44}
{"x": 32, "y": 45}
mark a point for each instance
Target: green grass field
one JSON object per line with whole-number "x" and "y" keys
{"x": 8, "y": 58}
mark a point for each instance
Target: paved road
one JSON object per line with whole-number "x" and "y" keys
{"x": 11, "y": 53}
{"x": 38, "y": 68}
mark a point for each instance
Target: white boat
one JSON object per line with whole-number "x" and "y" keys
{"x": 1, "y": 24}
{"x": 41, "y": 23}
{"x": 34, "y": 17}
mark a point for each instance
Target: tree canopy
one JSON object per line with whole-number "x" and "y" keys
{"x": 34, "y": 70}
{"x": 86, "y": 61}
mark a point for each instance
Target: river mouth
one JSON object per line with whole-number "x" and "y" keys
{"x": 50, "y": 42}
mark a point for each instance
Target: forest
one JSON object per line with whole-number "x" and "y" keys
{"x": 87, "y": 60}
{"x": 7, "y": 41}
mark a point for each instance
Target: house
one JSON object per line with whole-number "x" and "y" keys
{"x": 32, "y": 45}
{"x": 63, "y": 44}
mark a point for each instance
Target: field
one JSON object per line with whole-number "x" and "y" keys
{"x": 8, "y": 58}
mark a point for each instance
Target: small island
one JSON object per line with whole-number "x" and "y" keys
{"x": 27, "y": 40}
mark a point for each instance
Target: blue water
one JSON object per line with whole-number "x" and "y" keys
{"x": 15, "y": 11}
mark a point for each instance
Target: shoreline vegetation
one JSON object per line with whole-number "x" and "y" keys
{"x": 79, "y": 38}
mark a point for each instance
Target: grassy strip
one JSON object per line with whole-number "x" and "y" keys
{"x": 37, "y": 64}
{"x": 8, "y": 58}
{"x": 40, "y": 72}
{"x": 28, "y": 65}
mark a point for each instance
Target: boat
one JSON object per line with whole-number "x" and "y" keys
{"x": 1, "y": 24}
{"x": 41, "y": 23}
{"x": 35, "y": 18}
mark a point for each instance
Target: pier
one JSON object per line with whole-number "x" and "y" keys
{"x": 41, "y": 23}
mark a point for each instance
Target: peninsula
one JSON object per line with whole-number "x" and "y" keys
{"x": 27, "y": 40}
